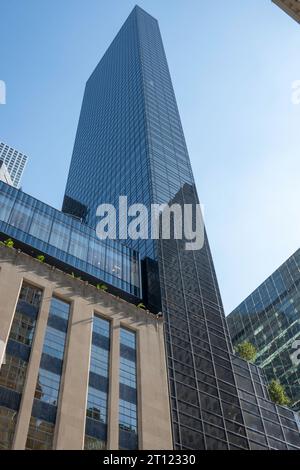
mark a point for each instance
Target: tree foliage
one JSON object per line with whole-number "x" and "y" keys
{"x": 277, "y": 393}
{"x": 246, "y": 351}
{"x": 9, "y": 243}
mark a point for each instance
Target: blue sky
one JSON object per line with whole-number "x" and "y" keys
{"x": 232, "y": 64}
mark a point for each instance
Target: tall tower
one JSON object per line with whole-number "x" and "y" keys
{"x": 130, "y": 142}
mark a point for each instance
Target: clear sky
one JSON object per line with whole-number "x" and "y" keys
{"x": 232, "y": 64}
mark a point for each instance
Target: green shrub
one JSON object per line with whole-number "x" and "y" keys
{"x": 40, "y": 258}
{"x": 277, "y": 393}
{"x": 9, "y": 243}
{"x": 246, "y": 351}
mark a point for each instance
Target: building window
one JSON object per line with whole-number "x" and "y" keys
{"x": 7, "y": 203}
{"x": 20, "y": 216}
{"x": 60, "y": 235}
{"x": 7, "y": 427}
{"x": 40, "y": 226}
{"x": 40, "y": 434}
{"x": 96, "y": 413}
{"x": 44, "y": 410}
{"x": 128, "y": 437}
{"x": 13, "y": 371}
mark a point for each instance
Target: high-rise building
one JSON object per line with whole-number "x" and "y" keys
{"x": 15, "y": 162}
{"x": 269, "y": 318}
{"x": 291, "y": 7}
{"x": 130, "y": 142}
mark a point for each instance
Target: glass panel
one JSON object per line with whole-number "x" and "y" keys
{"x": 253, "y": 422}
{"x": 54, "y": 343}
{"x": 40, "y": 226}
{"x": 30, "y": 295}
{"x": 47, "y": 387}
{"x": 114, "y": 263}
{"x": 97, "y": 405}
{"x": 7, "y": 427}
{"x": 128, "y": 416}
{"x": 13, "y": 373}
{"x": 20, "y": 216}
{"x": 79, "y": 245}
{"x": 60, "y": 235}
{"x": 60, "y": 308}
{"x": 5, "y": 207}
{"x": 91, "y": 443}
{"x": 96, "y": 255}
{"x": 40, "y": 435}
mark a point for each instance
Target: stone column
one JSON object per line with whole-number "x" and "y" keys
{"x": 113, "y": 400}
{"x": 10, "y": 286}
{"x": 74, "y": 387}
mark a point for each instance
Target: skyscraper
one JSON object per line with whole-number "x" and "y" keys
{"x": 291, "y": 7}
{"x": 269, "y": 318}
{"x": 130, "y": 142}
{"x": 15, "y": 162}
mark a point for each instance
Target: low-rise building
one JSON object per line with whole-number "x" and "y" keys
{"x": 83, "y": 368}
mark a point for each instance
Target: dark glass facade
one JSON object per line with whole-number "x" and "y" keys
{"x": 67, "y": 241}
{"x": 270, "y": 319}
{"x": 268, "y": 426}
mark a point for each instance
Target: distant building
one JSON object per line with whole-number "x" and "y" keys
{"x": 4, "y": 174}
{"x": 15, "y": 162}
{"x": 270, "y": 319}
{"x": 291, "y": 7}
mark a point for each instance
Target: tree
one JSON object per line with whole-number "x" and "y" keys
{"x": 246, "y": 351}
{"x": 277, "y": 393}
